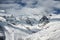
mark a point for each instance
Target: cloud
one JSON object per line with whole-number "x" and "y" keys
{"x": 32, "y": 6}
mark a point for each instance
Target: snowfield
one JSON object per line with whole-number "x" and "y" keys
{"x": 51, "y": 31}
{"x": 30, "y": 19}
{"x": 20, "y": 31}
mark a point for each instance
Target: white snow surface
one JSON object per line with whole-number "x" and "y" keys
{"x": 50, "y": 31}
{"x": 16, "y": 27}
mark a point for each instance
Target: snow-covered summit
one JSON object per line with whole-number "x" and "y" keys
{"x": 37, "y": 31}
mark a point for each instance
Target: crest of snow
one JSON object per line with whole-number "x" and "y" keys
{"x": 2, "y": 19}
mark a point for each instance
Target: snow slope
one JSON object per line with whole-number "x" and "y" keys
{"x": 16, "y": 27}
{"x": 50, "y": 31}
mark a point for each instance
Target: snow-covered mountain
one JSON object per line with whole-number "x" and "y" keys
{"x": 30, "y": 19}
{"x": 16, "y": 28}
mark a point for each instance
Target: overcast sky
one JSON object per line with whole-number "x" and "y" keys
{"x": 48, "y": 5}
